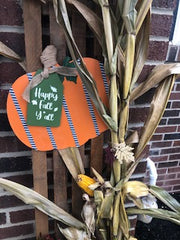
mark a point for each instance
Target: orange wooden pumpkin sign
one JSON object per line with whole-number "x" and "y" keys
{"x": 79, "y": 120}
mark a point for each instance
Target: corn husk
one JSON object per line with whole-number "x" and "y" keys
{"x": 74, "y": 234}
{"x": 73, "y": 161}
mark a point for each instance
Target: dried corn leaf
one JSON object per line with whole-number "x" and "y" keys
{"x": 9, "y": 53}
{"x": 158, "y": 74}
{"x": 144, "y": 7}
{"x": 142, "y": 42}
{"x": 124, "y": 223}
{"x": 129, "y": 15}
{"x": 129, "y": 64}
{"x": 29, "y": 196}
{"x": 72, "y": 160}
{"x": 92, "y": 19}
{"x": 116, "y": 217}
{"x": 132, "y": 137}
{"x": 156, "y": 111}
{"x": 98, "y": 176}
{"x": 63, "y": 19}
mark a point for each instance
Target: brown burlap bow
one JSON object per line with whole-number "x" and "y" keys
{"x": 48, "y": 59}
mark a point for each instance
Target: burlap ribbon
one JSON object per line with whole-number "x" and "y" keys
{"x": 48, "y": 59}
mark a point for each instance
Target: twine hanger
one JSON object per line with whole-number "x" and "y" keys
{"x": 48, "y": 59}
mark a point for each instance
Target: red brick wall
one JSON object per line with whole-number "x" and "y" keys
{"x": 16, "y": 219}
{"x": 165, "y": 144}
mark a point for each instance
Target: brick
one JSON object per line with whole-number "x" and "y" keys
{"x": 15, "y": 41}
{"x": 2, "y": 218}
{"x": 168, "y": 164}
{"x": 26, "y": 179}
{"x": 172, "y": 182}
{"x": 160, "y": 184}
{"x": 166, "y": 176}
{"x": 12, "y": 144}
{"x": 145, "y": 98}
{"x": 174, "y": 156}
{"x": 165, "y": 129}
{"x": 176, "y": 144}
{"x": 172, "y": 136}
{"x": 163, "y": 122}
{"x": 161, "y": 25}
{"x": 162, "y": 171}
{"x": 177, "y": 87}
{"x": 156, "y": 137}
{"x": 4, "y": 123}
{"x": 170, "y": 150}
{"x": 133, "y": 222}
{"x": 172, "y": 55}
{"x": 145, "y": 72}
{"x": 168, "y": 105}
{"x": 176, "y": 104}
{"x": 10, "y": 201}
{"x": 154, "y": 152}
{"x": 10, "y": 71}
{"x": 171, "y": 113}
{"x": 178, "y": 57}
{"x": 161, "y": 144}
{"x": 15, "y": 164}
{"x": 3, "y": 94}
{"x": 163, "y": 158}
{"x": 16, "y": 231}
{"x": 164, "y": 3}
{"x": 174, "y": 96}
{"x": 157, "y": 50}
{"x": 167, "y": 188}
{"x": 11, "y": 13}
{"x": 173, "y": 170}
{"x": 138, "y": 114}
{"x": 176, "y": 188}
{"x": 141, "y": 168}
{"x": 22, "y": 215}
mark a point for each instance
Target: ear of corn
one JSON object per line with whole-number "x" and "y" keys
{"x": 84, "y": 182}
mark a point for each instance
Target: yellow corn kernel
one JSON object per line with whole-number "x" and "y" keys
{"x": 84, "y": 182}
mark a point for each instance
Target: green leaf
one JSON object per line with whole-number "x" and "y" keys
{"x": 68, "y": 63}
{"x": 29, "y": 196}
{"x": 157, "y": 213}
{"x": 166, "y": 198}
